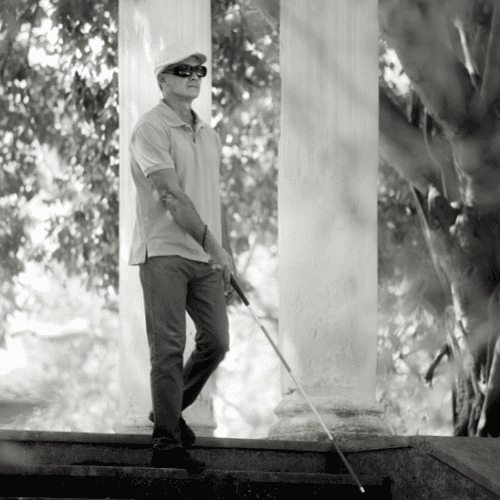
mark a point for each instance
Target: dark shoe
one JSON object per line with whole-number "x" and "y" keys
{"x": 176, "y": 458}
{"x": 188, "y": 437}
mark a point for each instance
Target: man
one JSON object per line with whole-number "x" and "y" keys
{"x": 178, "y": 244}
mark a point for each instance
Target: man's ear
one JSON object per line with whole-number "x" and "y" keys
{"x": 159, "y": 80}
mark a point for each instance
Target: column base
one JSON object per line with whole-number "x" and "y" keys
{"x": 297, "y": 422}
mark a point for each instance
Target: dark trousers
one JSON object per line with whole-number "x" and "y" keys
{"x": 173, "y": 285}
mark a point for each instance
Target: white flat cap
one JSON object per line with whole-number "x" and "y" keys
{"x": 174, "y": 54}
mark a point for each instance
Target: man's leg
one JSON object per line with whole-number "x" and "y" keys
{"x": 206, "y": 305}
{"x": 164, "y": 282}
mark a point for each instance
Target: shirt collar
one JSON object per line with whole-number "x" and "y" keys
{"x": 174, "y": 120}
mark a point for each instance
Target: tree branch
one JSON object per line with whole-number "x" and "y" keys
{"x": 469, "y": 62}
{"x": 490, "y": 87}
{"x": 438, "y": 76}
{"x": 403, "y": 147}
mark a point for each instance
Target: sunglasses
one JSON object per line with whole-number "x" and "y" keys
{"x": 185, "y": 71}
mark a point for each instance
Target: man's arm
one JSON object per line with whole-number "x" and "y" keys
{"x": 185, "y": 214}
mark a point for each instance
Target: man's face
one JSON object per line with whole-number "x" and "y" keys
{"x": 183, "y": 88}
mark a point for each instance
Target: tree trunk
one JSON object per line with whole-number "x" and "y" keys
{"x": 468, "y": 252}
{"x": 451, "y": 53}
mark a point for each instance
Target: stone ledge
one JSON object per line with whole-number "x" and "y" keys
{"x": 153, "y": 473}
{"x": 349, "y": 445}
{"x": 91, "y": 471}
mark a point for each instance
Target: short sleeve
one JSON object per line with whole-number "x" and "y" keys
{"x": 150, "y": 148}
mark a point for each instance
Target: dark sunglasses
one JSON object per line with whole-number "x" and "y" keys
{"x": 185, "y": 71}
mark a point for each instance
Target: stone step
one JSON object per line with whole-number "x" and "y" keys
{"x": 419, "y": 467}
{"x": 72, "y": 465}
{"x": 114, "y": 482}
{"x": 38, "y": 448}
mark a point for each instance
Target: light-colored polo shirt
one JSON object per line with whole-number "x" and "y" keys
{"x": 162, "y": 140}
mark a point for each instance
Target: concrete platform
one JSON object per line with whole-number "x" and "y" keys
{"x": 416, "y": 467}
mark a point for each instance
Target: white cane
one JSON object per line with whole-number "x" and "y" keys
{"x": 239, "y": 291}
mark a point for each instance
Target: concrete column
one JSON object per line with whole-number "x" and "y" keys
{"x": 328, "y": 216}
{"x": 147, "y": 26}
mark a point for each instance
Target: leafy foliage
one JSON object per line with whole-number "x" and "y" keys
{"x": 59, "y": 147}
{"x": 410, "y": 295}
{"x": 410, "y": 329}
{"x": 246, "y": 90}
